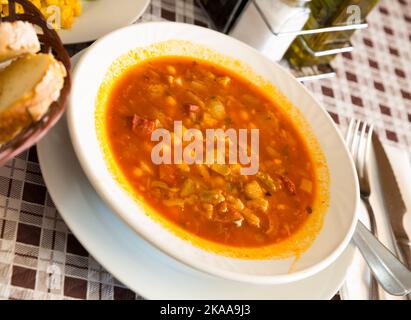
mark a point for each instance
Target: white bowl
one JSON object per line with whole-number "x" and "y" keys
{"x": 341, "y": 217}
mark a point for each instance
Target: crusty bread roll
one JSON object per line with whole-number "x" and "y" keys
{"x": 28, "y": 86}
{"x": 17, "y": 38}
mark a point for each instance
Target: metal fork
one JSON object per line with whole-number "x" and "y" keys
{"x": 358, "y": 140}
{"x": 387, "y": 269}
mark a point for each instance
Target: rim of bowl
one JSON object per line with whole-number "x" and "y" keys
{"x": 93, "y": 177}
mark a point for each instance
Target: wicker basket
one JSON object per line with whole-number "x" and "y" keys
{"x": 50, "y": 43}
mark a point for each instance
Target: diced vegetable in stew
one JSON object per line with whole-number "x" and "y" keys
{"x": 213, "y": 200}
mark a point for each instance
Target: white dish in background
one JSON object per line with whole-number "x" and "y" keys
{"x": 340, "y": 220}
{"x": 136, "y": 263}
{"x": 100, "y": 17}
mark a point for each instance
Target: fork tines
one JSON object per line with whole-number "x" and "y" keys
{"x": 358, "y": 139}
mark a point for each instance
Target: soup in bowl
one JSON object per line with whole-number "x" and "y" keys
{"x": 212, "y": 153}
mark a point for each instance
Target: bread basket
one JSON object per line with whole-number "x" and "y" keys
{"x": 50, "y": 43}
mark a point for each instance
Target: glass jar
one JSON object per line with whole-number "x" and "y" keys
{"x": 327, "y": 13}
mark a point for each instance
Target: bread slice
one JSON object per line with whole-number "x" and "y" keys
{"x": 28, "y": 86}
{"x": 17, "y": 38}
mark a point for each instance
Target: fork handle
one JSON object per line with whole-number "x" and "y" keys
{"x": 405, "y": 248}
{"x": 391, "y": 274}
{"x": 373, "y": 291}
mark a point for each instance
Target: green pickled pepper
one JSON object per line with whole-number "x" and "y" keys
{"x": 327, "y": 13}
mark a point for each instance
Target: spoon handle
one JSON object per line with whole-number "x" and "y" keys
{"x": 391, "y": 274}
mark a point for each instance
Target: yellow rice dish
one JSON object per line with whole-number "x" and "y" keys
{"x": 68, "y": 10}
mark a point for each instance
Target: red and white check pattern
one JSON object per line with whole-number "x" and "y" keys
{"x": 373, "y": 82}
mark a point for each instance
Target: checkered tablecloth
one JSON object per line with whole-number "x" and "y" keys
{"x": 41, "y": 259}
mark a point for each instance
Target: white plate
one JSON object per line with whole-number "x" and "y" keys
{"x": 136, "y": 263}
{"x": 100, "y": 17}
{"x": 341, "y": 217}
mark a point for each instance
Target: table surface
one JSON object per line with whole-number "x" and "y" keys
{"x": 372, "y": 83}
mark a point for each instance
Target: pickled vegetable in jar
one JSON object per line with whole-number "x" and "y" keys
{"x": 327, "y": 13}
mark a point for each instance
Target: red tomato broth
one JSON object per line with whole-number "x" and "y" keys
{"x": 141, "y": 95}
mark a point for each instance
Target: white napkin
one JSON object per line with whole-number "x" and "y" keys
{"x": 357, "y": 281}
